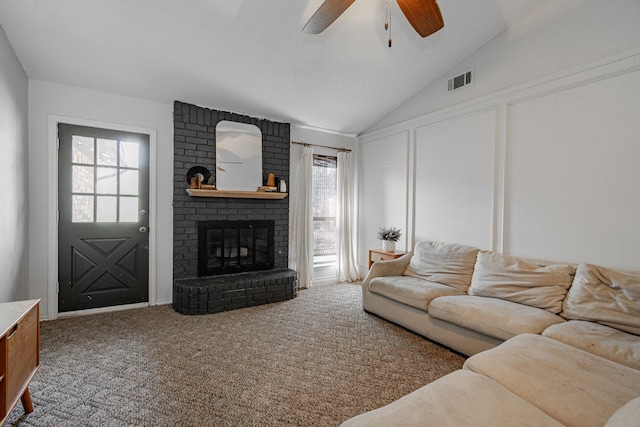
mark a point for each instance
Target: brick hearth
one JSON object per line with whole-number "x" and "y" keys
{"x": 212, "y": 294}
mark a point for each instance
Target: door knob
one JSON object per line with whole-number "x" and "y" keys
{"x": 142, "y": 229}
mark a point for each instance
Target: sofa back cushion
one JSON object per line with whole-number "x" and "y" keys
{"x": 447, "y": 263}
{"x": 524, "y": 282}
{"x": 606, "y": 296}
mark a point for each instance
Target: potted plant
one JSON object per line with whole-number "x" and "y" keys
{"x": 389, "y": 237}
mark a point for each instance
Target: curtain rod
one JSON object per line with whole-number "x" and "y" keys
{"x": 318, "y": 145}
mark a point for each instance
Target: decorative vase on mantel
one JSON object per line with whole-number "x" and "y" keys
{"x": 388, "y": 246}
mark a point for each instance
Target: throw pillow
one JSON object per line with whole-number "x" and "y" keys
{"x": 447, "y": 263}
{"x": 606, "y": 296}
{"x": 514, "y": 279}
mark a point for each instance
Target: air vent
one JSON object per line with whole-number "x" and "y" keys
{"x": 457, "y": 82}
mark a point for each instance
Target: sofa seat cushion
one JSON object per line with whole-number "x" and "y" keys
{"x": 605, "y": 296}
{"x": 517, "y": 280}
{"x": 574, "y": 387}
{"x": 494, "y": 317}
{"x": 604, "y": 341}
{"x": 458, "y": 399}
{"x": 411, "y": 291}
{"x": 447, "y": 263}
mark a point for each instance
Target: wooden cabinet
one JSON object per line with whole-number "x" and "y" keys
{"x": 380, "y": 255}
{"x": 19, "y": 353}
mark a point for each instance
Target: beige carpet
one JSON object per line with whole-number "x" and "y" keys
{"x": 315, "y": 360}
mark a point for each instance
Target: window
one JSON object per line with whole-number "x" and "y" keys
{"x": 104, "y": 180}
{"x": 324, "y": 209}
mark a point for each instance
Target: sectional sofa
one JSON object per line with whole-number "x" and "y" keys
{"x": 550, "y": 344}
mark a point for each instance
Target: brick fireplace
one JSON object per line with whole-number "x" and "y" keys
{"x": 194, "y": 145}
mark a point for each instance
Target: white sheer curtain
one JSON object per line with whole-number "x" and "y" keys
{"x": 301, "y": 222}
{"x": 347, "y": 270}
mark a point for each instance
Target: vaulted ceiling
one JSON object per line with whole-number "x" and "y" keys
{"x": 250, "y": 56}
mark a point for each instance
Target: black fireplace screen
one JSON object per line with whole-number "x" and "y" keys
{"x": 234, "y": 246}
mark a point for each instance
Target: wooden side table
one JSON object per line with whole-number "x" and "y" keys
{"x": 19, "y": 353}
{"x": 380, "y": 255}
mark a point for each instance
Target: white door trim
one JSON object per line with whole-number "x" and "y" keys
{"x": 52, "y": 282}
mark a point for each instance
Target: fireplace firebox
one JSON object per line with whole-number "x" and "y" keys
{"x": 226, "y": 247}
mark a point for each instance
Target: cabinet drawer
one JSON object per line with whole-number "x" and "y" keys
{"x": 380, "y": 255}
{"x": 22, "y": 355}
{"x": 375, "y": 256}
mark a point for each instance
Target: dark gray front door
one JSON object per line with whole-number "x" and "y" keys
{"x": 103, "y": 200}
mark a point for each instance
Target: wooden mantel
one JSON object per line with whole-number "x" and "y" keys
{"x": 194, "y": 192}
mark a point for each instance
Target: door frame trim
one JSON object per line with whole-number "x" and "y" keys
{"x": 52, "y": 285}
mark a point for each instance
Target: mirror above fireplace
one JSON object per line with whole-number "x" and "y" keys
{"x": 238, "y": 156}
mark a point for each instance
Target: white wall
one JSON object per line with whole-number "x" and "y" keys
{"x": 543, "y": 166}
{"x": 556, "y": 37}
{"x": 14, "y": 275}
{"x": 318, "y": 136}
{"x": 49, "y": 101}
{"x": 383, "y": 193}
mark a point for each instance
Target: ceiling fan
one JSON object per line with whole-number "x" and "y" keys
{"x": 423, "y": 15}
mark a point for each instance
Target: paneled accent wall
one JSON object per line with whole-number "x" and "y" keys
{"x": 382, "y": 202}
{"x": 546, "y": 172}
{"x": 573, "y": 178}
{"x": 194, "y": 144}
{"x": 454, "y": 180}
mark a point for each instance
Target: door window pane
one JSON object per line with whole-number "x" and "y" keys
{"x": 129, "y": 152}
{"x": 128, "y": 209}
{"x": 82, "y": 150}
{"x": 105, "y": 179}
{"x": 107, "y": 152}
{"x": 107, "y": 182}
{"x": 82, "y": 209}
{"x": 129, "y": 182}
{"x": 106, "y": 209}
{"x": 82, "y": 179}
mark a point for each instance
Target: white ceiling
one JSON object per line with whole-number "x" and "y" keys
{"x": 250, "y": 56}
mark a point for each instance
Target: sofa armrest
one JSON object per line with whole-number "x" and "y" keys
{"x": 392, "y": 267}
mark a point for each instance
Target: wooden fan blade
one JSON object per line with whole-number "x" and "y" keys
{"x": 424, "y": 15}
{"x": 328, "y": 12}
